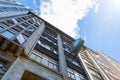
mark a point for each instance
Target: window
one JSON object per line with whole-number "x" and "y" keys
{"x": 19, "y": 19}
{"x": 23, "y": 26}
{"x": 31, "y": 29}
{"x": 54, "y": 51}
{"x": 44, "y": 45}
{"x": 75, "y": 75}
{"x": 67, "y": 50}
{"x": 3, "y": 25}
{"x": 24, "y": 18}
{"x": 14, "y": 20}
{"x": 8, "y": 34}
{"x": 37, "y": 25}
{"x": 75, "y": 63}
{"x": 95, "y": 73}
{"x": 38, "y": 59}
{"x": 1, "y": 65}
{"x": 44, "y": 60}
{"x": 31, "y": 22}
{"x": 51, "y": 65}
{"x": 13, "y": 31}
{"x": 47, "y": 47}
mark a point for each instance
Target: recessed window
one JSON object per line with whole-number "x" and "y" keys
{"x": 44, "y": 60}
{"x": 21, "y": 26}
{"x": 1, "y": 28}
{"x": 51, "y": 65}
{"x": 44, "y": 45}
{"x": 54, "y": 51}
{"x": 75, "y": 75}
{"x": 31, "y": 29}
{"x": 13, "y": 31}
{"x": 8, "y": 34}
{"x": 19, "y": 19}
{"x": 14, "y": 20}
{"x": 3, "y": 25}
{"x": 38, "y": 58}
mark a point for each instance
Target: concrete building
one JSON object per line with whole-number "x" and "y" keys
{"x": 33, "y": 49}
{"x": 99, "y": 66}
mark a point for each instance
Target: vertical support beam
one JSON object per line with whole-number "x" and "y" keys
{"x": 62, "y": 60}
{"x": 31, "y": 42}
{"x": 11, "y": 70}
{"x": 98, "y": 67}
{"x": 85, "y": 67}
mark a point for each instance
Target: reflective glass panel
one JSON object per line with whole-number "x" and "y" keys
{"x": 8, "y": 34}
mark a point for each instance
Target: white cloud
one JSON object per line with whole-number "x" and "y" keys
{"x": 64, "y": 14}
{"x": 97, "y": 7}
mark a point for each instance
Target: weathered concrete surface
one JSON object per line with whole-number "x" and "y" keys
{"x": 62, "y": 60}
{"x": 31, "y": 42}
{"x": 16, "y": 71}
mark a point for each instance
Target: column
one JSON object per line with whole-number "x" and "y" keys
{"x": 31, "y": 42}
{"x": 14, "y": 72}
{"x": 62, "y": 60}
{"x": 84, "y": 67}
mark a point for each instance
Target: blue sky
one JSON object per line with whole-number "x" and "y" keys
{"x": 97, "y": 21}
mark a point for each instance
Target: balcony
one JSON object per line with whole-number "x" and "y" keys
{"x": 45, "y": 51}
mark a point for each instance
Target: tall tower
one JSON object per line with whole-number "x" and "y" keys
{"x": 33, "y": 49}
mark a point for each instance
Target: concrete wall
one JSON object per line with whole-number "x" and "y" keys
{"x": 16, "y": 71}
{"x": 7, "y": 14}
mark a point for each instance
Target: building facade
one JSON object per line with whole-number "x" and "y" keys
{"x": 100, "y": 66}
{"x": 33, "y": 49}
